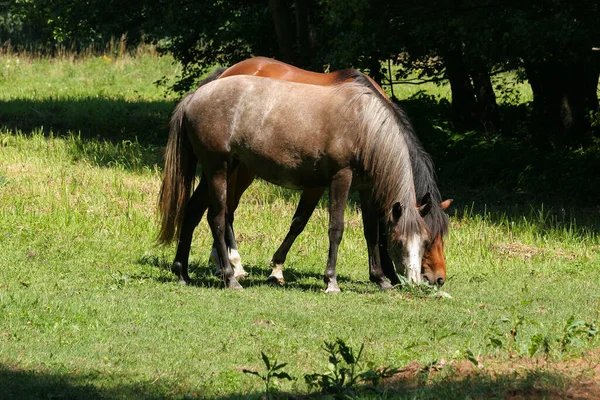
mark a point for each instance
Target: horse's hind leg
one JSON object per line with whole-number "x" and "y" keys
{"x": 239, "y": 180}
{"x": 195, "y": 208}
{"x": 308, "y": 202}
{"x": 216, "y": 174}
{"x": 372, "y": 236}
{"x": 338, "y": 196}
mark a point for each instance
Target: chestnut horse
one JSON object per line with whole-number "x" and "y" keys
{"x": 434, "y": 264}
{"x": 297, "y": 136}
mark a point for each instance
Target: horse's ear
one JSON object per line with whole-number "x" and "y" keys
{"x": 396, "y": 212}
{"x": 446, "y": 203}
{"x": 425, "y": 205}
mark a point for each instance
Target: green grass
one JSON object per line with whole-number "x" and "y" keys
{"x": 89, "y": 308}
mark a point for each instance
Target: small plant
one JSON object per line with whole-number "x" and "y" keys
{"x": 468, "y": 354}
{"x": 345, "y": 371}
{"x": 435, "y": 339}
{"x": 516, "y": 321}
{"x": 273, "y": 370}
{"x": 494, "y": 338}
{"x": 574, "y": 330}
{"x": 538, "y": 342}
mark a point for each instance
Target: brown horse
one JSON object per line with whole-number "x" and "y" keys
{"x": 434, "y": 264}
{"x": 297, "y": 136}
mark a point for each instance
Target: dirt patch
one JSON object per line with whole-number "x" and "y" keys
{"x": 515, "y": 249}
{"x": 527, "y": 252}
{"x": 577, "y": 378}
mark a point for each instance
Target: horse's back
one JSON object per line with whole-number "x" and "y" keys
{"x": 271, "y": 68}
{"x": 279, "y": 128}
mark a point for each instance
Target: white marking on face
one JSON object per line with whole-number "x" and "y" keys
{"x": 414, "y": 254}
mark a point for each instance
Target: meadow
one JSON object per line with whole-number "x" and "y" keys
{"x": 89, "y": 307}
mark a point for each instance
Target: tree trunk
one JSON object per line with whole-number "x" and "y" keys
{"x": 489, "y": 116}
{"x": 304, "y": 42}
{"x": 283, "y": 30}
{"x": 563, "y": 95}
{"x": 464, "y": 106}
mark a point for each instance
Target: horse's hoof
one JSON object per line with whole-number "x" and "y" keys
{"x": 276, "y": 280}
{"x": 177, "y": 269}
{"x": 234, "y": 285}
{"x": 385, "y": 286}
{"x": 332, "y": 289}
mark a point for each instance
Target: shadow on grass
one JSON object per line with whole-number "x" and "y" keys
{"x": 105, "y": 132}
{"x": 537, "y": 383}
{"x": 95, "y": 118}
{"x": 202, "y": 275}
{"x": 18, "y": 383}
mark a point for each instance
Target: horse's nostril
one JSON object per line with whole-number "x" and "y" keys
{"x": 427, "y": 279}
{"x": 440, "y": 281}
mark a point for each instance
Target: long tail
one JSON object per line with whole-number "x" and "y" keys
{"x": 179, "y": 172}
{"x": 178, "y": 176}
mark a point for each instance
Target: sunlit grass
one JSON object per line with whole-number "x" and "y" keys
{"x": 88, "y": 302}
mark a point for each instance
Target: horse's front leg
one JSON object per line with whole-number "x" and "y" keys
{"x": 217, "y": 189}
{"x": 194, "y": 210}
{"x": 387, "y": 265}
{"x": 308, "y": 202}
{"x": 372, "y": 236}
{"x": 338, "y": 196}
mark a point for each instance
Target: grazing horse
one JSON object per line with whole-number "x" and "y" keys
{"x": 297, "y": 136}
{"x": 433, "y": 263}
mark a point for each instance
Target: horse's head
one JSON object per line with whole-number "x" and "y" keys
{"x": 434, "y": 263}
{"x": 407, "y": 240}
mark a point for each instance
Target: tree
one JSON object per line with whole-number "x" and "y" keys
{"x": 463, "y": 41}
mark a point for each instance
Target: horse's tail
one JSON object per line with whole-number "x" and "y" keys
{"x": 178, "y": 176}
{"x": 179, "y": 171}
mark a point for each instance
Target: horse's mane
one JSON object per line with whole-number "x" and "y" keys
{"x": 423, "y": 169}
{"x": 384, "y": 155}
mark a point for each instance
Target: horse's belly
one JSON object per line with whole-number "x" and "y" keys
{"x": 290, "y": 171}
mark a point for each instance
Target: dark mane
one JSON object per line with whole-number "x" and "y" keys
{"x": 425, "y": 178}
{"x": 424, "y": 175}
{"x": 212, "y": 77}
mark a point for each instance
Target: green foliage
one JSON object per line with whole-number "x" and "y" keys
{"x": 272, "y": 370}
{"x": 203, "y": 34}
{"x": 346, "y": 372}
{"x": 46, "y": 26}
{"x": 539, "y": 342}
{"x": 574, "y": 331}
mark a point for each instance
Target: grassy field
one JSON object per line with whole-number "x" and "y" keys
{"x": 89, "y": 308}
